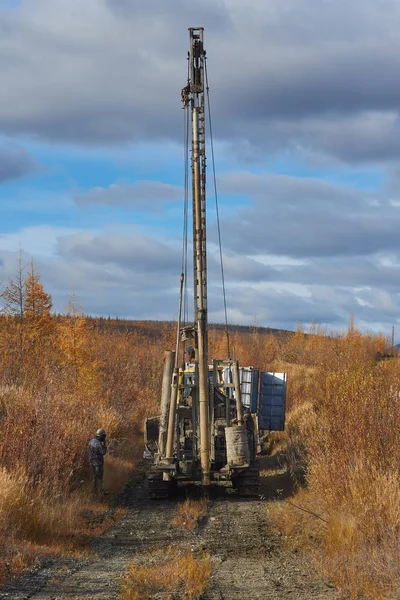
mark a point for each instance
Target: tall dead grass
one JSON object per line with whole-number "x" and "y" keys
{"x": 343, "y": 431}
{"x": 169, "y": 572}
{"x": 345, "y": 434}
{"x": 190, "y": 512}
{"x": 52, "y": 400}
{"x": 29, "y": 513}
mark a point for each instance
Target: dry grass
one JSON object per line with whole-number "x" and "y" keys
{"x": 34, "y": 524}
{"x": 345, "y": 436}
{"x": 54, "y": 394}
{"x": 300, "y": 529}
{"x": 21, "y": 555}
{"x": 117, "y": 472}
{"x": 27, "y": 513}
{"x": 190, "y": 513}
{"x": 168, "y": 572}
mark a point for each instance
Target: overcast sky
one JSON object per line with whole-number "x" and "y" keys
{"x": 305, "y": 99}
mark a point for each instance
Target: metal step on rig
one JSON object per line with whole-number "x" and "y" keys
{"x": 205, "y": 433}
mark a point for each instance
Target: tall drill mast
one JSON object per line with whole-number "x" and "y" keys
{"x": 193, "y": 96}
{"x": 201, "y": 431}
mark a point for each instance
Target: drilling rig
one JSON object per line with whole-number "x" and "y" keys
{"x": 205, "y": 433}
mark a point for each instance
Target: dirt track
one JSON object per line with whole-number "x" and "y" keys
{"x": 248, "y": 561}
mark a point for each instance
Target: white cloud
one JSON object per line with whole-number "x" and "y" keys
{"x": 141, "y": 195}
{"x": 36, "y": 241}
{"x": 129, "y": 273}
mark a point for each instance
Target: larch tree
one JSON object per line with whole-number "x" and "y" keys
{"x": 270, "y": 352}
{"x": 293, "y": 350}
{"x": 38, "y": 305}
{"x": 13, "y": 342}
{"x": 28, "y": 325}
{"x": 14, "y": 294}
{"x": 73, "y": 343}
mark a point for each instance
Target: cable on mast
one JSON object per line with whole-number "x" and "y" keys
{"x": 185, "y": 216}
{"x": 217, "y": 212}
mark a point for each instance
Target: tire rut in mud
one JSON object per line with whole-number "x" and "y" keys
{"x": 146, "y": 527}
{"x": 246, "y": 556}
{"x": 248, "y": 559}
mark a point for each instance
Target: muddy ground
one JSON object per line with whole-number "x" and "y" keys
{"x": 248, "y": 559}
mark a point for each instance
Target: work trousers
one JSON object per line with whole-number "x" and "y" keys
{"x": 98, "y": 471}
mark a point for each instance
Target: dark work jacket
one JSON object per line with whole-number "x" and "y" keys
{"x": 97, "y": 450}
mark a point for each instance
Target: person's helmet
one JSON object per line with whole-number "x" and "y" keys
{"x": 100, "y": 433}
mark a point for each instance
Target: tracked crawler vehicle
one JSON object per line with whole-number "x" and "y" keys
{"x": 211, "y": 414}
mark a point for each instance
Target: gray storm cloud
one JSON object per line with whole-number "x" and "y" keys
{"x": 102, "y": 71}
{"x": 15, "y": 162}
{"x": 305, "y": 217}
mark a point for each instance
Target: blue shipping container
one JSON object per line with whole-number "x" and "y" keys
{"x": 272, "y": 401}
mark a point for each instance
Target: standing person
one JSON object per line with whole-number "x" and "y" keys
{"x": 97, "y": 450}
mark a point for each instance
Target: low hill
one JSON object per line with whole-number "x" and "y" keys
{"x": 155, "y": 328}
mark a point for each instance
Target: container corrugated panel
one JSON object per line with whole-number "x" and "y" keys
{"x": 254, "y": 392}
{"x": 248, "y": 384}
{"x": 272, "y": 401}
{"x": 227, "y": 374}
{"x": 246, "y": 381}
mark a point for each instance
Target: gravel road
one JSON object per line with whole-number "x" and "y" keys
{"x": 248, "y": 561}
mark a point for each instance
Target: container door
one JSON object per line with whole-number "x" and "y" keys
{"x": 246, "y": 380}
{"x": 254, "y": 391}
{"x": 272, "y": 401}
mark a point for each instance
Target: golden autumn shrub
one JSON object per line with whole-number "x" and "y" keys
{"x": 64, "y": 376}
{"x": 171, "y": 572}
{"x": 344, "y": 426}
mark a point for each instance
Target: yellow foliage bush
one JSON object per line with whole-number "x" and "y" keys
{"x": 26, "y": 512}
{"x": 345, "y": 426}
{"x": 189, "y": 513}
{"x": 14, "y": 503}
{"x": 51, "y": 403}
{"x": 75, "y": 375}
{"x": 110, "y": 420}
{"x": 170, "y": 572}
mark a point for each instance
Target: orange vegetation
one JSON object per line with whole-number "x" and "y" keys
{"x": 169, "y": 572}
{"x": 189, "y": 513}
{"x": 63, "y": 376}
{"x": 343, "y": 430}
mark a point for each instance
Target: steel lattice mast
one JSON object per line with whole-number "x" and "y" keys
{"x": 193, "y": 96}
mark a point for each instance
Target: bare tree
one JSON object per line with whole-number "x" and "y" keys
{"x": 14, "y": 294}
